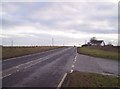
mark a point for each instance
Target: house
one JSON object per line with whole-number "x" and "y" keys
{"x": 97, "y": 42}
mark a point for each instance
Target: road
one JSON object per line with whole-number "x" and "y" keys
{"x": 96, "y": 65}
{"x": 38, "y": 70}
{"x": 47, "y": 69}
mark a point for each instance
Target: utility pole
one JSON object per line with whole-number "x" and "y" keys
{"x": 63, "y": 43}
{"x": 52, "y": 41}
{"x": 12, "y": 43}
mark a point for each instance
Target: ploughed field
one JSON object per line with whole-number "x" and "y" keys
{"x": 15, "y": 51}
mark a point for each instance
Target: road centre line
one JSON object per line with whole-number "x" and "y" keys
{"x": 31, "y": 63}
{"x": 5, "y": 76}
{"x": 18, "y": 67}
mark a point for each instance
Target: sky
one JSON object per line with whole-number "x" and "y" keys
{"x": 67, "y": 23}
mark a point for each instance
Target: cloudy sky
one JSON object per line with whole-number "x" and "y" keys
{"x": 68, "y": 23}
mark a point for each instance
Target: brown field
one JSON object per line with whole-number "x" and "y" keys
{"x": 10, "y": 52}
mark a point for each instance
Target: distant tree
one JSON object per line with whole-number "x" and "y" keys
{"x": 93, "y": 39}
{"x": 109, "y": 44}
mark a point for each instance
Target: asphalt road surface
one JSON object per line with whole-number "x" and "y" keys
{"x": 47, "y": 69}
{"x": 38, "y": 70}
{"x": 96, "y": 65}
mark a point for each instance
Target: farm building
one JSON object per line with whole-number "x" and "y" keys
{"x": 97, "y": 42}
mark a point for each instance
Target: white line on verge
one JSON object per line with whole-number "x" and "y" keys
{"x": 61, "y": 82}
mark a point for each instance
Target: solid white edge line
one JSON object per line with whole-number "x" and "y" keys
{"x": 61, "y": 82}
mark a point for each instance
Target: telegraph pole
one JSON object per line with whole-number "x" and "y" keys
{"x": 63, "y": 43}
{"x": 12, "y": 43}
{"x": 52, "y": 41}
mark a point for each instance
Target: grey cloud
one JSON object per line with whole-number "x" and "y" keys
{"x": 10, "y": 22}
{"x": 89, "y": 30}
{"x": 48, "y": 14}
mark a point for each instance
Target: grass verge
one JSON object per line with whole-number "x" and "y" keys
{"x": 10, "y": 52}
{"x": 98, "y": 53}
{"x": 82, "y": 79}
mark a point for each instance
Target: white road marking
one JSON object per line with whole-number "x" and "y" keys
{"x": 18, "y": 70}
{"x": 31, "y": 63}
{"x": 17, "y": 66}
{"x": 71, "y": 71}
{"x": 61, "y": 82}
{"x": 6, "y": 76}
{"x": 73, "y": 66}
{"x": 74, "y": 61}
{"x": 75, "y": 56}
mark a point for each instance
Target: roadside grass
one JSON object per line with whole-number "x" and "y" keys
{"x": 82, "y": 79}
{"x": 10, "y": 52}
{"x": 98, "y": 53}
{"x": 0, "y": 52}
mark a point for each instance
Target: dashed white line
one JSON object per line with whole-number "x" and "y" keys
{"x": 71, "y": 71}
{"x": 18, "y": 70}
{"x": 74, "y": 61}
{"x": 31, "y": 63}
{"x": 61, "y": 82}
{"x": 6, "y": 76}
{"x": 75, "y": 57}
{"x": 17, "y": 66}
{"x": 73, "y": 66}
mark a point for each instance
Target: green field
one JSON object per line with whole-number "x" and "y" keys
{"x": 82, "y": 79}
{"x": 9, "y": 52}
{"x": 98, "y": 52}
